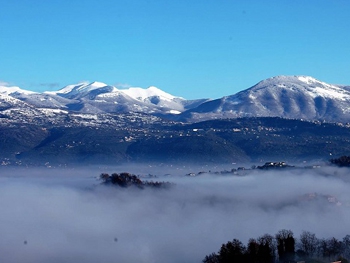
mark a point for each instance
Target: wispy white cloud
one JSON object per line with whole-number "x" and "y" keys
{"x": 122, "y": 85}
{"x": 4, "y": 83}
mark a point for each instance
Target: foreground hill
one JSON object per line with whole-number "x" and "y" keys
{"x": 141, "y": 139}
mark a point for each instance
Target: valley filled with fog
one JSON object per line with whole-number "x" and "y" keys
{"x": 68, "y": 215}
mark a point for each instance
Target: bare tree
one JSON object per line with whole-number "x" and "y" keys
{"x": 308, "y": 243}
{"x": 346, "y": 247}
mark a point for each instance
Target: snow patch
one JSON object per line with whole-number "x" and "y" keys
{"x": 174, "y": 112}
{"x": 86, "y": 116}
{"x": 51, "y": 111}
{"x": 307, "y": 79}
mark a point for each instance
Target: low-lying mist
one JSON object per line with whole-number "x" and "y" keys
{"x": 66, "y": 215}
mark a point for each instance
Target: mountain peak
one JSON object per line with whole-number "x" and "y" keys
{"x": 80, "y": 88}
{"x": 154, "y": 89}
{"x": 291, "y": 78}
{"x": 307, "y": 85}
{"x": 143, "y": 94}
{"x": 97, "y": 84}
{"x": 295, "y": 97}
{"x": 296, "y": 78}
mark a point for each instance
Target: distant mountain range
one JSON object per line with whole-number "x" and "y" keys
{"x": 97, "y": 97}
{"x": 289, "y": 117}
{"x": 293, "y": 97}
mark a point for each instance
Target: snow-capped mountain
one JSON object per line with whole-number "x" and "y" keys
{"x": 155, "y": 96}
{"x": 294, "y": 97}
{"x": 98, "y": 97}
{"x": 10, "y": 90}
{"x": 8, "y": 97}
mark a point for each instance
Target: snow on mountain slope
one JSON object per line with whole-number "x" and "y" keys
{"x": 99, "y": 97}
{"x": 143, "y": 94}
{"x": 81, "y": 87}
{"x": 18, "y": 97}
{"x": 9, "y": 90}
{"x": 155, "y": 96}
{"x": 110, "y": 99}
{"x": 81, "y": 90}
{"x": 295, "y": 97}
{"x": 7, "y": 101}
{"x": 8, "y": 97}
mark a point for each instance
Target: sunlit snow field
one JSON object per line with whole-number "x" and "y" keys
{"x": 66, "y": 215}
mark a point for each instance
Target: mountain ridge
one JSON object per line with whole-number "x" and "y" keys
{"x": 294, "y": 97}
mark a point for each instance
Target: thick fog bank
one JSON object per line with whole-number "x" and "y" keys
{"x": 66, "y": 216}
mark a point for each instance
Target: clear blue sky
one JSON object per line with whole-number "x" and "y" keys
{"x": 193, "y": 49}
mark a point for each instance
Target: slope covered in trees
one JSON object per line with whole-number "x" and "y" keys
{"x": 127, "y": 180}
{"x": 341, "y": 161}
{"x": 118, "y": 140}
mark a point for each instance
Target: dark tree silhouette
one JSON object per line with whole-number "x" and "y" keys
{"x": 266, "y": 249}
{"x": 341, "y": 161}
{"x": 252, "y": 251}
{"x": 232, "y": 251}
{"x": 285, "y": 245}
{"x": 334, "y": 248}
{"x": 262, "y": 250}
{"x": 346, "y": 246}
{"x": 323, "y": 248}
{"x": 212, "y": 258}
{"x": 127, "y": 179}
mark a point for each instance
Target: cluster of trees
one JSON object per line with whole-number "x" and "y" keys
{"x": 127, "y": 179}
{"x": 284, "y": 248}
{"x": 341, "y": 161}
